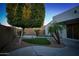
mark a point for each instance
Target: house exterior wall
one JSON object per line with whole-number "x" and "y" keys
{"x": 46, "y": 29}
{"x": 67, "y": 15}
{"x": 63, "y": 33}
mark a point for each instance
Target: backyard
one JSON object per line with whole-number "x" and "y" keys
{"x": 29, "y": 33}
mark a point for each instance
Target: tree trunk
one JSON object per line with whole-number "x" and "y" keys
{"x": 36, "y": 33}
{"x": 54, "y": 36}
{"x": 22, "y": 33}
{"x": 57, "y": 36}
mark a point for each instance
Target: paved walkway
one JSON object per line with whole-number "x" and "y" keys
{"x": 45, "y": 51}
{"x": 34, "y": 36}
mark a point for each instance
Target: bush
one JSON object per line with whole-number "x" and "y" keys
{"x": 40, "y": 41}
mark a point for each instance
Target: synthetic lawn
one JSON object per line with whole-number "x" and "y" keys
{"x": 40, "y": 41}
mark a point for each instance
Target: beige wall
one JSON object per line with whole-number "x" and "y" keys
{"x": 30, "y": 31}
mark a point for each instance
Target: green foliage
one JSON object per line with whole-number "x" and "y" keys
{"x": 11, "y": 13}
{"x": 56, "y": 27}
{"x": 40, "y": 41}
{"x": 25, "y": 15}
{"x": 38, "y": 14}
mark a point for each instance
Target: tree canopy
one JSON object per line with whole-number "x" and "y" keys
{"x": 25, "y": 15}
{"x": 55, "y": 27}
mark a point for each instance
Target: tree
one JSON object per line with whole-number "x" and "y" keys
{"x": 25, "y": 15}
{"x": 37, "y": 31}
{"x": 54, "y": 31}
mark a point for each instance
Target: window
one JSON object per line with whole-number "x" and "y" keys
{"x": 73, "y": 31}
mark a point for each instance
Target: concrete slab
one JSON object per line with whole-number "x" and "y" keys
{"x": 45, "y": 51}
{"x": 27, "y": 51}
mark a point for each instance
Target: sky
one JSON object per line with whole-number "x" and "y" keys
{"x": 51, "y": 9}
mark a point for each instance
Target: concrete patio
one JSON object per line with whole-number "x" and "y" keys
{"x": 45, "y": 51}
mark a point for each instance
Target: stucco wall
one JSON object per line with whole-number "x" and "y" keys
{"x": 67, "y": 15}
{"x": 47, "y": 27}
{"x": 31, "y": 31}
{"x": 7, "y": 38}
{"x": 63, "y": 33}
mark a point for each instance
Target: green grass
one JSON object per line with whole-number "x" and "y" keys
{"x": 39, "y": 41}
